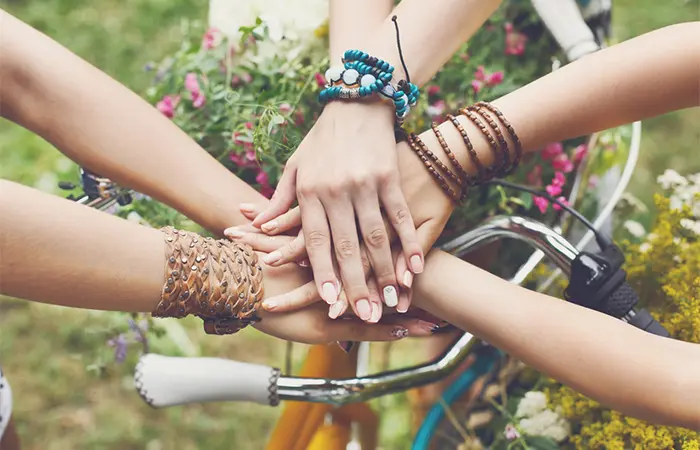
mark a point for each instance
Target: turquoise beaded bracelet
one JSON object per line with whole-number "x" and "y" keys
{"x": 363, "y": 75}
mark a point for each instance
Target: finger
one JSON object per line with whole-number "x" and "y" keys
{"x": 400, "y": 218}
{"x": 249, "y": 210}
{"x": 296, "y": 299}
{"x": 338, "y": 308}
{"x": 287, "y": 221}
{"x": 355, "y": 330}
{"x": 282, "y": 199}
{"x": 292, "y": 251}
{"x": 376, "y": 240}
{"x": 415, "y": 327}
{"x": 404, "y": 275}
{"x": 346, "y": 246}
{"x": 375, "y": 301}
{"x": 318, "y": 247}
{"x": 261, "y": 242}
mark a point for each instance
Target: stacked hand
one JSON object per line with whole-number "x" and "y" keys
{"x": 347, "y": 166}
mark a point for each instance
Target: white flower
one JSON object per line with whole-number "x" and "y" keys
{"x": 547, "y": 423}
{"x": 634, "y": 202}
{"x": 645, "y": 247}
{"x": 634, "y": 228}
{"x": 671, "y": 179}
{"x": 531, "y": 404}
{"x": 692, "y": 225}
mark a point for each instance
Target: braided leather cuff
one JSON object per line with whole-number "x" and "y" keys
{"x": 216, "y": 280}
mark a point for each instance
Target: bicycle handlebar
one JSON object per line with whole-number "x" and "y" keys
{"x": 168, "y": 381}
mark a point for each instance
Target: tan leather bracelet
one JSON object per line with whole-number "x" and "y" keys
{"x": 217, "y": 280}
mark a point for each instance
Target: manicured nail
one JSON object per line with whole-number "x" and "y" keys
{"x": 269, "y": 226}
{"x": 399, "y": 332}
{"x": 428, "y": 327}
{"x": 376, "y": 313}
{"x": 270, "y": 304}
{"x": 408, "y": 279}
{"x": 273, "y": 257}
{"x": 304, "y": 263}
{"x": 346, "y": 346}
{"x": 402, "y": 307}
{"x": 391, "y": 298}
{"x": 336, "y": 309}
{"x": 329, "y": 293}
{"x": 233, "y": 233}
{"x": 247, "y": 207}
{"x": 416, "y": 264}
{"x": 363, "y": 309}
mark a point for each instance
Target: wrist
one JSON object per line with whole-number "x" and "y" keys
{"x": 369, "y": 109}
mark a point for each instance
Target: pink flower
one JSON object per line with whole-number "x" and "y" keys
{"x": 236, "y": 136}
{"x": 495, "y": 78}
{"x": 553, "y": 190}
{"x": 285, "y": 108}
{"x": 436, "y": 109}
{"x": 511, "y": 432}
{"x": 559, "y": 179}
{"x": 580, "y": 152}
{"x": 534, "y": 178}
{"x": 198, "y": 100}
{"x": 320, "y": 80}
{"x": 191, "y": 83}
{"x": 299, "y": 118}
{"x": 480, "y": 73}
{"x": 562, "y": 163}
{"x": 211, "y": 39}
{"x": 235, "y": 81}
{"x": 249, "y": 125}
{"x": 237, "y": 159}
{"x": 433, "y": 90}
{"x": 250, "y": 154}
{"x": 550, "y": 151}
{"x": 167, "y": 105}
{"x": 562, "y": 200}
{"x": 508, "y": 27}
{"x": 541, "y": 204}
{"x": 262, "y": 178}
{"x": 515, "y": 41}
{"x": 593, "y": 181}
{"x": 476, "y": 85}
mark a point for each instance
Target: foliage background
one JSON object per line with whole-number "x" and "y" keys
{"x": 42, "y": 348}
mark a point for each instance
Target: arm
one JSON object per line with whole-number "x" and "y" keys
{"x": 640, "y": 374}
{"x": 89, "y": 259}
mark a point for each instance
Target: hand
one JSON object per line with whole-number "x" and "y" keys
{"x": 429, "y": 206}
{"x": 341, "y": 173}
{"x": 312, "y": 325}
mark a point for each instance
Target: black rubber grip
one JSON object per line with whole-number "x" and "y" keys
{"x": 620, "y": 302}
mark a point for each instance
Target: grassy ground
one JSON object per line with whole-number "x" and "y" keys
{"x": 44, "y": 350}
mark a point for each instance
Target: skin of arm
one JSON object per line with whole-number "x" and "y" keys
{"x": 637, "y": 373}
{"x": 89, "y": 259}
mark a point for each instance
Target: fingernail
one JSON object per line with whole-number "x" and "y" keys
{"x": 270, "y": 304}
{"x": 233, "y": 233}
{"x": 408, "y": 279}
{"x": 363, "y": 309}
{"x": 391, "y": 298}
{"x": 402, "y": 307}
{"x": 399, "y": 332}
{"x": 376, "y": 313}
{"x": 269, "y": 226}
{"x": 272, "y": 258}
{"x": 416, "y": 264}
{"x": 428, "y": 327}
{"x": 346, "y": 346}
{"x": 304, "y": 263}
{"x": 336, "y": 310}
{"x": 330, "y": 294}
{"x": 247, "y": 207}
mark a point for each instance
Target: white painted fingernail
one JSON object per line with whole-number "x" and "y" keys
{"x": 233, "y": 233}
{"x": 364, "y": 310}
{"x": 336, "y": 310}
{"x": 416, "y": 264}
{"x": 391, "y": 298}
{"x": 329, "y": 293}
{"x": 273, "y": 257}
{"x": 407, "y": 279}
{"x": 376, "y": 313}
{"x": 269, "y": 226}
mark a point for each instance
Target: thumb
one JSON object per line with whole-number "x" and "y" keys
{"x": 283, "y": 198}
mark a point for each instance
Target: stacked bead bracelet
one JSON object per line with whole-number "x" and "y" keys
{"x": 362, "y": 76}
{"x": 505, "y": 162}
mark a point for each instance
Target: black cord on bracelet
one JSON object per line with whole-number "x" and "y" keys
{"x": 398, "y": 44}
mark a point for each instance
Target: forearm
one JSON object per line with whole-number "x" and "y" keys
{"x": 644, "y": 77}
{"x": 105, "y": 127}
{"x": 351, "y": 22}
{"x": 637, "y": 373}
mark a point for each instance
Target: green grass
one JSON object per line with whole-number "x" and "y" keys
{"x": 44, "y": 349}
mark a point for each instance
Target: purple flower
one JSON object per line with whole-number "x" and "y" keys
{"x": 119, "y": 344}
{"x": 511, "y": 432}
